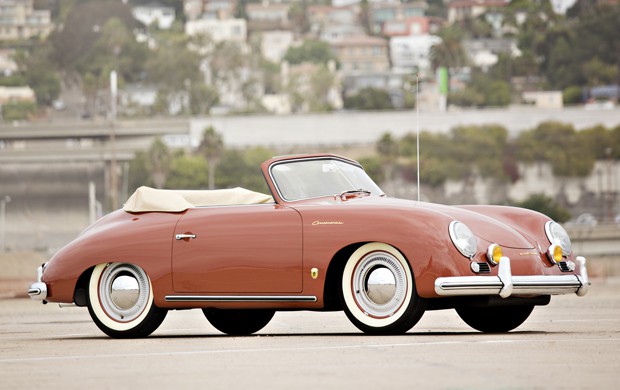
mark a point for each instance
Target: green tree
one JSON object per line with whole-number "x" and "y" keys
{"x": 558, "y": 144}
{"x": 81, "y": 30}
{"x": 547, "y": 206}
{"x": 202, "y": 98}
{"x": 321, "y": 83}
{"x": 449, "y": 52}
{"x": 158, "y": 159}
{"x": 188, "y": 172}
{"x": 17, "y": 111}
{"x": 387, "y": 148}
{"x": 369, "y": 98}
{"x": 139, "y": 174}
{"x": 311, "y": 50}
{"x": 173, "y": 67}
{"x": 482, "y": 91}
{"x": 36, "y": 72}
{"x": 242, "y": 169}
{"x": 212, "y": 148}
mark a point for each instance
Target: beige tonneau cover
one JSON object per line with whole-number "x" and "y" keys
{"x": 147, "y": 199}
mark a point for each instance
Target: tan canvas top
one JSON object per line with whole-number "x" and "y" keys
{"x": 149, "y": 199}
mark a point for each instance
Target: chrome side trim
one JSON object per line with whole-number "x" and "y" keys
{"x": 38, "y": 290}
{"x": 505, "y": 284}
{"x": 239, "y": 298}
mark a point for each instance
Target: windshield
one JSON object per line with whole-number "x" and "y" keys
{"x": 322, "y": 177}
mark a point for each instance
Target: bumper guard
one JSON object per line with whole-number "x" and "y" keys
{"x": 505, "y": 284}
{"x": 38, "y": 290}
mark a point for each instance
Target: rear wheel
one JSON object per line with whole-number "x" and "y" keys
{"x": 495, "y": 319}
{"x": 120, "y": 301}
{"x": 238, "y": 322}
{"x": 378, "y": 291}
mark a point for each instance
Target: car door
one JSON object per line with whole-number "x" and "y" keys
{"x": 238, "y": 249}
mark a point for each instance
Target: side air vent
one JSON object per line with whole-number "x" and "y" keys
{"x": 564, "y": 266}
{"x": 485, "y": 268}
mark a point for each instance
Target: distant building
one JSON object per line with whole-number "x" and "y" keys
{"x": 484, "y": 53}
{"x": 412, "y": 53}
{"x": 154, "y": 14}
{"x": 19, "y": 20}
{"x": 275, "y": 44}
{"x": 8, "y": 66}
{"x": 17, "y": 94}
{"x": 209, "y": 9}
{"x": 234, "y": 30}
{"x": 331, "y": 24}
{"x": 385, "y": 12}
{"x": 561, "y": 6}
{"x": 544, "y": 99}
{"x": 469, "y": 9}
{"x": 267, "y": 16}
{"x": 362, "y": 54}
{"x": 390, "y": 82}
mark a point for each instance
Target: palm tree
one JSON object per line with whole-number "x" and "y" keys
{"x": 449, "y": 52}
{"x": 212, "y": 147}
{"x": 158, "y": 160}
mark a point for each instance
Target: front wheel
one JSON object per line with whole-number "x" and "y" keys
{"x": 495, "y": 319}
{"x": 120, "y": 301}
{"x": 239, "y": 322}
{"x": 378, "y": 291}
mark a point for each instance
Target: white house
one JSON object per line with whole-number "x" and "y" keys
{"x": 220, "y": 30}
{"x": 19, "y": 20}
{"x": 275, "y": 44}
{"x": 412, "y": 52}
{"x": 544, "y": 99}
{"x": 17, "y": 94}
{"x": 159, "y": 15}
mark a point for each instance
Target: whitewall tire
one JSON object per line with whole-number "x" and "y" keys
{"x": 378, "y": 290}
{"x": 120, "y": 301}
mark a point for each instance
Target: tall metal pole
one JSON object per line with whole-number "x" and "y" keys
{"x": 113, "y": 173}
{"x": 610, "y": 197}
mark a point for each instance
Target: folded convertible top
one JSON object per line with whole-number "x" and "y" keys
{"x": 146, "y": 199}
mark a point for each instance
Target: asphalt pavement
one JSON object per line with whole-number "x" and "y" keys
{"x": 571, "y": 343}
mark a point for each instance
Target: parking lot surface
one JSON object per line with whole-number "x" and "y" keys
{"x": 571, "y": 343}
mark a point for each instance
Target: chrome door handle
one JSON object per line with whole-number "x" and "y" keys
{"x": 184, "y": 236}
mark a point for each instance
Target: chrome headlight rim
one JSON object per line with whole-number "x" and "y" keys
{"x": 468, "y": 245}
{"x": 557, "y": 235}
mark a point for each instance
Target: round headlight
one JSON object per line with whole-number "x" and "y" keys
{"x": 463, "y": 239}
{"x": 558, "y": 236}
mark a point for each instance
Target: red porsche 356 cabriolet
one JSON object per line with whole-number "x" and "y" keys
{"x": 326, "y": 238}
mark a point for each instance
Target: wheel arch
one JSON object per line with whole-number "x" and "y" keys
{"x": 80, "y": 293}
{"x": 331, "y": 289}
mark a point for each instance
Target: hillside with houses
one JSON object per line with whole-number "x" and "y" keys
{"x": 199, "y": 57}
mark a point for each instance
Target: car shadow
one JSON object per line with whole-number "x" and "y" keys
{"x": 316, "y": 335}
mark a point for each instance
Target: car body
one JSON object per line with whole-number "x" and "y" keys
{"x": 326, "y": 238}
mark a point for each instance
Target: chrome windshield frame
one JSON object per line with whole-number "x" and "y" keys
{"x": 318, "y": 158}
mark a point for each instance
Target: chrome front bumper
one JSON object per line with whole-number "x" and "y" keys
{"x": 38, "y": 290}
{"x": 505, "y": 284}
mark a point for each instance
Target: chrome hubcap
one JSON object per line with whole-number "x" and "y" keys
{"x": 379, "y": 284}
{"x": 123, "y": 291}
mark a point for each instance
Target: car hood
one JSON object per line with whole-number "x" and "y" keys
{"x": 485, "y": 227}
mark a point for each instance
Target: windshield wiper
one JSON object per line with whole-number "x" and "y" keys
{"x": 344, "y": 195}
